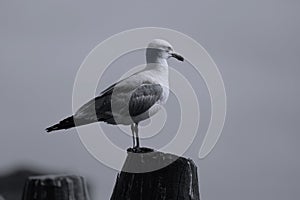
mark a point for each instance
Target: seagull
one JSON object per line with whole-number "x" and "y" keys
{"x": 131, "y": 100}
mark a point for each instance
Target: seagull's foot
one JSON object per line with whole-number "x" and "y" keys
{"x": 137, "y": 149}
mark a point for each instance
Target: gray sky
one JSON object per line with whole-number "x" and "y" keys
{"x": 254, "y": 43}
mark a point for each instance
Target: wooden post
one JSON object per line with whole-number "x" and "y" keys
{"x": 175, "y": 177}
{"x": 55, "y": 187}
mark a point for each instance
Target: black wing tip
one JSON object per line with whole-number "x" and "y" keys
{"x": 64, "y": 124}
{"x": 55, "y": 127}
{"x": 50, "y": 129}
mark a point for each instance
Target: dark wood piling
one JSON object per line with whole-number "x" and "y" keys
{"x": 152, "y": 175}
{"x": 55, "y": 187}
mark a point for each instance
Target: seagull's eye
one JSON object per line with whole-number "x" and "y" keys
{"x": 169, "y": 48}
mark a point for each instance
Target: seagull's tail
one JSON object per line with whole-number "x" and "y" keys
{"x": 64, "y": 124}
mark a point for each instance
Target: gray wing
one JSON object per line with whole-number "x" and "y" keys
{"x": 143, "y": 98}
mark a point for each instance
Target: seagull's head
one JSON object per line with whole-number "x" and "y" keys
{"x": 161, "y": 49}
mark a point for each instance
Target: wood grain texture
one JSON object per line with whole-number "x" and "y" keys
{"x": 177, "y": 179}
{"x": 55, "y": 187}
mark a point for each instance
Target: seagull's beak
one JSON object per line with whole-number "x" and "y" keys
{"x": 177, "y": 56}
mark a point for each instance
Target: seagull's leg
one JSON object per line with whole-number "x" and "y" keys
{"x": 132, "y": 131}
{"x": 137, "y": 135}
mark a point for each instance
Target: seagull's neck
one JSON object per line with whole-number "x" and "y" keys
{"x": 157, "y": 62}
{"x": 160, "y": 70}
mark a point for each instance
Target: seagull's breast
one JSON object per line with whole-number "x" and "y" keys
{"x": 161, "y": 77}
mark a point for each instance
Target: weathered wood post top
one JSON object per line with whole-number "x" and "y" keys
{"x": 55, "y": 187}
{"x": 153, "y": 175}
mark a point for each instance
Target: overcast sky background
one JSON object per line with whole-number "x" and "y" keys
{"x": 254, "y": 43}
